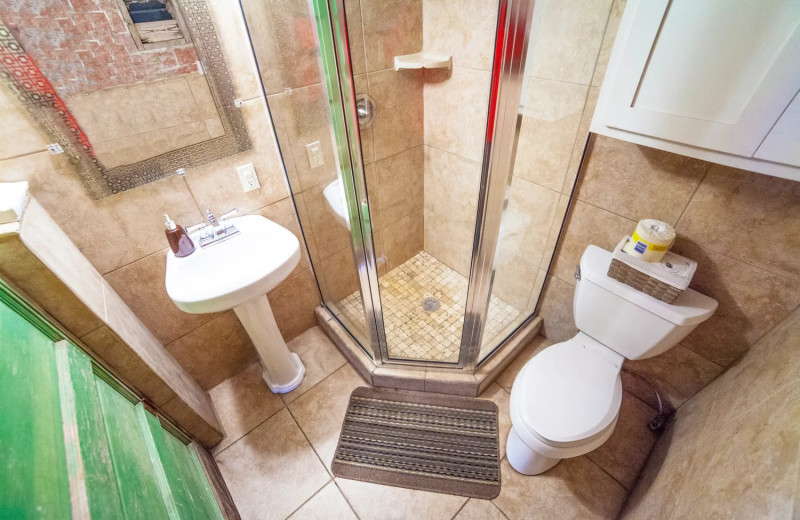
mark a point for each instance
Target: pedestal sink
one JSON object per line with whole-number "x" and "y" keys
{"x": 236, "y": 273}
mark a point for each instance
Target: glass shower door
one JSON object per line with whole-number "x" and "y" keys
{"x": 424, "y": 169}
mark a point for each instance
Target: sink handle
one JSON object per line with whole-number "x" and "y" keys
{"x": 196, "y": 227}
{"x": 229, "y": 214}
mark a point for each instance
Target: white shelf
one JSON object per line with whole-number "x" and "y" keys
{"x": 423, "y": 60}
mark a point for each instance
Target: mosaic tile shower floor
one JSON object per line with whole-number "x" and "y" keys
{"x": 412, "y": 332}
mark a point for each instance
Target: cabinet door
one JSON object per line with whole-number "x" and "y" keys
{"x": 712, "y": 74}
{"x": 782, "y": 145}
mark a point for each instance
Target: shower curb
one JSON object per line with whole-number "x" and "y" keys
{"x": 427, "y": 378}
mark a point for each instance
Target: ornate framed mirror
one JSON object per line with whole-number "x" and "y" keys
{"x": 130, "y": 90}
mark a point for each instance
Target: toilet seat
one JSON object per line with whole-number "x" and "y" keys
{"x": 568, "y": 395}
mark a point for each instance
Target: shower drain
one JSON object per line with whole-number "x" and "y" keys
{"x": 430, "y": 304}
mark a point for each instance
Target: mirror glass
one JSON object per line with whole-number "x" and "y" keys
{"x": 131, "y": 90}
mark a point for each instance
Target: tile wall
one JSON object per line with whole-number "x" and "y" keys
{"x": 456, "y": 105}
{"x": 123, "y": 236}
{"x": 284, "y": 37}
{"x": 738, "y": 225}
{"x": 733, "y": 450}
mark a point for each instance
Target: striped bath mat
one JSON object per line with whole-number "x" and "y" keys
{"x": 432, "y": 442}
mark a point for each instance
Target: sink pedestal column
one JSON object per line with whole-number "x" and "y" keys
{"x": 282, "y": 370}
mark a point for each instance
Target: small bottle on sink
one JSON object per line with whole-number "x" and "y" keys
{"x": 178, "y": 239}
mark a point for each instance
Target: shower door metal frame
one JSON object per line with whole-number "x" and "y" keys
{"x": 514, "y": 21}
{"x": 346, "y": 134}
{"x": 502, "y": 132}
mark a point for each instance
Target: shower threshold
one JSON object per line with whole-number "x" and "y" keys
{"x": 423, "y": 310}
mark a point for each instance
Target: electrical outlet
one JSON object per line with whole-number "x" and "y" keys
{"x": 314, "y": 152}
{"x": 247, "y": 174}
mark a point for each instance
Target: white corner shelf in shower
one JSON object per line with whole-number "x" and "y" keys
{"x": 423, "y": 60}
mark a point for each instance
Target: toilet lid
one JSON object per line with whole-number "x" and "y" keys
{"x": 570, "y": 391}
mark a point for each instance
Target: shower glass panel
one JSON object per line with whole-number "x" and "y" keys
{"x": 555, "y": 109}
{"x": 413, "y": 187}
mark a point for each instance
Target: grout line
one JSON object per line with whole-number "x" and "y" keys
{"x": 215, "y": 455}
{"x": 688, "y": 202}
{"x": 148, "y": 255}
{"x": 627, "y": 491}
{"x": 306, "y": 501}
{"x": 23, "y": 155}
{"x": 347, "y": 500}
{"x": 460, "y": 508}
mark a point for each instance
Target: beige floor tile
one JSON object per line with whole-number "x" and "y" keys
{"x": 320, "y": 411}
{"x": 506, "y": 379}
{"x": 476, "y": 509}
{"x": 377, "y": 502}
{"x": 272, "y": 470}
{"x": 320, "y": 357}
{"x": 503, "y": 401}
{"x": 624, "y": 454}
{"x": 574, "y": 489}
{"x": 327, "y": 504}
{"x": 243, "y": 402}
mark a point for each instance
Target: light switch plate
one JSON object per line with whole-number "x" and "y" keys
{"x": 314, "y": 152}
{"x": 247, "y": 174}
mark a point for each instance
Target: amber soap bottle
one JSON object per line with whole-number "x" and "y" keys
{"x": 178, "y": 239}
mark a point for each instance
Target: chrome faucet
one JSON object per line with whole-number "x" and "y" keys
{"x": 212, "y": 220}
{"x": 214, "y": 230}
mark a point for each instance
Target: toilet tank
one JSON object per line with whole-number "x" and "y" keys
{"x": 628, "y": 321}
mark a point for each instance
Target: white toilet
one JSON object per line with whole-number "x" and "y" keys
{"x": 566, "y": 399}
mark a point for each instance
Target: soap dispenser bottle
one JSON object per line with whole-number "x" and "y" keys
{"x": 178, "y": 239}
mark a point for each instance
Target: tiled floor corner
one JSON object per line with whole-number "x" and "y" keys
{"x": 276, "y": 457}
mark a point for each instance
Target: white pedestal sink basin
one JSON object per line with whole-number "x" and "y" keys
{"x": 236, "y": 273}
{"x": 334, "y": 198}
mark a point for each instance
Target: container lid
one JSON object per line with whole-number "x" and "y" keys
{"x": 571, "y": 391}
{"x": 689, "y": 308}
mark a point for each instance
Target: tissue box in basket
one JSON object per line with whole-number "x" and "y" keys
{"x": 664, "y": 280}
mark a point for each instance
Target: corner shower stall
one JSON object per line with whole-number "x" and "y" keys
{"x": 429, "y": 220}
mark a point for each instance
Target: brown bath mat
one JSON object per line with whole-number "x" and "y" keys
{"x": 416, "y": 440}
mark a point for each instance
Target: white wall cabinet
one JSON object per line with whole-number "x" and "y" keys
{"x": 712, "y": 79}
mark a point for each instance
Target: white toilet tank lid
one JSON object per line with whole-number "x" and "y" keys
{"x": 689, "y": 308}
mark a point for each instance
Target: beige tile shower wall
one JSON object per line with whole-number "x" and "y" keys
{"x": 123, "y": 236}
{"x": 566, "y": 48}
{"x": 285, "y": 40}
{"x": 739, "y": 226}
{"x": 733, "y": 450}
{"x": 455, "y": 120}
{"x": 567, "y": 42}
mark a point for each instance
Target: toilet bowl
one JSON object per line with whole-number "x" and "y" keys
{"x": 565, "y": 400}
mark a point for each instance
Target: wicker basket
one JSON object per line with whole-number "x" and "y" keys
{"x": 640, "y": 281}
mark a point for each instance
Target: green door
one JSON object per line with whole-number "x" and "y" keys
{"x": 75, "y": 443}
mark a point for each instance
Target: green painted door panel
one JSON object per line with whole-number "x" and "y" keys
{"x": 76, "y": 443}
{"x": 33, "y": 470}
{"x": 136, "y": 477}
{"x": 189, "y": 487}
{"x": 100, "y": 481}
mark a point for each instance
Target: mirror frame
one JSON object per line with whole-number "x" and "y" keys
{"x": 33, "y": 90}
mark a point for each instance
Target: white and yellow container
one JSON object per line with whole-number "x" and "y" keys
{"x": 651, "y": 240}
